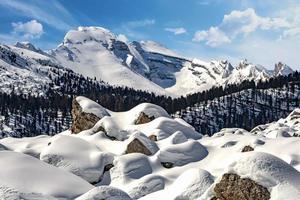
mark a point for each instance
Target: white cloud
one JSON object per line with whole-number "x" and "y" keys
{"x": 247, "y": 21}
{"x": 239, "y": 23}
{"x": 213, "y": 37}
{"x": 29, "y": 30}
{"x": 176, "y": 31}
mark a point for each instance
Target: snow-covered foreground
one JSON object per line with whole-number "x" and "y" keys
{"x": 145, "y": 154}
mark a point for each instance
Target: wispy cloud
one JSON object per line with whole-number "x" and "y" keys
{"x": 134, "y": 29}
{"x": 52, "y": 13}
{"x": 176, "y": 31}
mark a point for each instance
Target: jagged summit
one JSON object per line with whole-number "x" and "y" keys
{"x": 282, "y": 69}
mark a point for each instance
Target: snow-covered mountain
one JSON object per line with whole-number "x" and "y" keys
{"x": 145, "y": 65}
{"x": 145, "y": 154}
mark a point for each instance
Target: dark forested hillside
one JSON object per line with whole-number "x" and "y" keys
{"x": 245, "y": 105}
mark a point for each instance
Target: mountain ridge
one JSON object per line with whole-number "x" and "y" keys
{"x": 146, "y": 65}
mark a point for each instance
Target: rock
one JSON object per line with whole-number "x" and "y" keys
{"x": 108, "y": 167}
{"x": 233, "y": 187}
{"x": 137, "y": 146}
{"x": 247, "y": 148}
{"x": 81, "y": 120}
{"x": 153, "y": 138}
{"x": 167, "y": 165}
{"x": 143, "y": 119}
{"x": 141, "y": 144}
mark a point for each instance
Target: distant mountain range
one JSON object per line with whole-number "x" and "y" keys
{"x": 145, "y": 65}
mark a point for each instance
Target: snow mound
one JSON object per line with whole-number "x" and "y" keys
{"x": 104, "y": 193}
{"x": 184, "y": 153}
{"x": 130, "y": 166}
{"x": 30, "y": 175}
{"x": 27, "y": 145}
{"x": 77, "y": 156}
{"x": 146, "y": 185}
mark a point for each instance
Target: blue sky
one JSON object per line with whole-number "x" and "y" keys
{"x": 262, "y": 31}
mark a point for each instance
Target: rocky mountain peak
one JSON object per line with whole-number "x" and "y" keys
{"x": 281, "y": 69}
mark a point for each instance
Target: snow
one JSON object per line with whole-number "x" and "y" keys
{"x": 77, "y": 156}
{"x": 30, "y": 175}
{"x": 104, "y": 192}
{"x": 154, "y": 47}
{"x": 181, "y": 154}
{"x": 128, "y": 167}
{"x": 183, "y": 165}
{"x": 89, "y": 106}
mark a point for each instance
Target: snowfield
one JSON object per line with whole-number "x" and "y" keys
{"x": 145, "y": 154}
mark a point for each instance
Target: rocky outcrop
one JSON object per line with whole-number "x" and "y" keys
{"x": 136, "y": 146}
{"x": 247, "y": 148}
{"x": 143, "y": 118}
{"x": 153, "y": 138}
{"x": 233, "y": 187}
{"x": 141, "y": 144}
{"x": 81, "y": 120}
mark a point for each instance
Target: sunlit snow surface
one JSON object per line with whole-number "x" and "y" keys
{"x": 66, "y": 165}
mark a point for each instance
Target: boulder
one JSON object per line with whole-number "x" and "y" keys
{"x": 85, "y": 114}
{"x": 141, "y": 144}
{"x": 153, "y": 138}
{"x": 247, "y": 148}
{"x": 81, "y": 120}
{"x": 143, "y": 119}
{"x": 233, "y": 187}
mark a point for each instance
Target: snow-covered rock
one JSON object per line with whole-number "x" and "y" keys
{"x": 181, "y": 154}
{"x": 181, "y": 163}
{"x": 86, "y": 113}
{"x": 286, "y": 127}
{"x": 77, "y": 156}
{"x": 128, "y": 167}
{"x": 140, "y": 143}
{"x": 190, "y": 184}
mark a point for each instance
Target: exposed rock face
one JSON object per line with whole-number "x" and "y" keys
{"x": 153, "y": 138}
{"x": 81, "y": 120}
{"x": 136, "y": 146}
{"x": 247, "y": 148}
{"x": 167, "y": 165}
{"x": 232, "y": 187}
{"x": 143, "y": 118}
